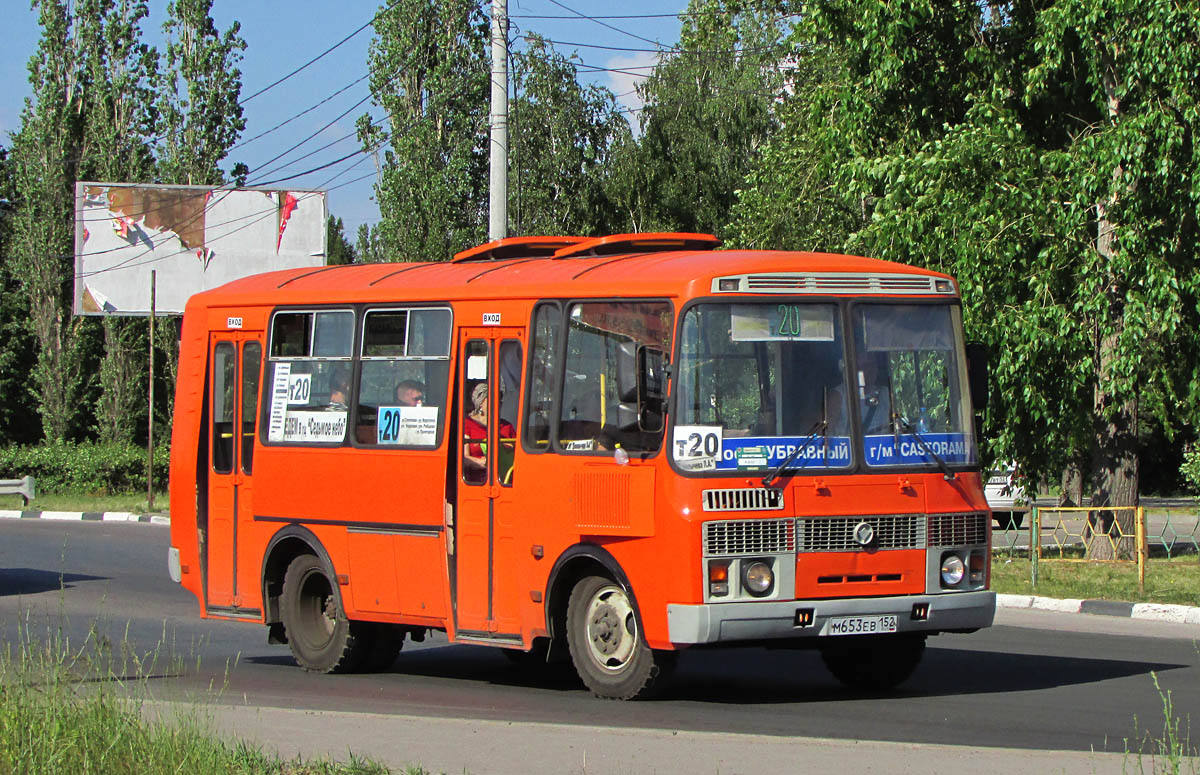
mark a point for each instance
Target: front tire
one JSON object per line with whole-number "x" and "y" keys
{"x": 874, "y": 662}
{"x": 606, "y": 645}
{"x": 322, "y": 639}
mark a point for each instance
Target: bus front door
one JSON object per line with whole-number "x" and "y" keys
{"x": 236, "y": 359}
{"x": 490, "y": 368}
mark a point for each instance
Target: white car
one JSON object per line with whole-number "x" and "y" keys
{"x": 1006, "y": 500}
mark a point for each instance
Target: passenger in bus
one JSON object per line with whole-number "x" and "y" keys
{"x": 410, "y": 393}
{"x": 339, "y": 392}
{"x": 475, "y": 435}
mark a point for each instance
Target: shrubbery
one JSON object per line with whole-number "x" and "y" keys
{"x": 89, "y": 468}
{"x": 1191, "y": 467}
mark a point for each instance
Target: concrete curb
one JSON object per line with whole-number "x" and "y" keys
{"x": 1181, "y": 614}
{"x": 88, "y": 516}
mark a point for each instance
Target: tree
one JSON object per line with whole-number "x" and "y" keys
{"x": 368, "y": 246}
{"x": 198, "y": 95}
{"x": 561, "y": 136}
{"x": 45, "y": 153}
{"x": 18, "y": 411}
{"x": 710, "y": 107}
{"x": 1044, "y": 155}
{"x": 118, "y": 73}
{"x": 429, "y": 71}
{"x": 338, "y": 249}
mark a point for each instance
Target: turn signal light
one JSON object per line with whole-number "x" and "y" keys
{"x": 718, "y": 579}
{"x": 977, "y": 567}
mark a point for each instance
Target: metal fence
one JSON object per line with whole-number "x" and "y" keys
{"x": 1097, "y": 535}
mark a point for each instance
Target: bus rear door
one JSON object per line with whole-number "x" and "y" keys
{"x": 236, "y": 359}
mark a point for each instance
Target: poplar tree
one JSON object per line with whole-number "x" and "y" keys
{"x": 429, "y": 72}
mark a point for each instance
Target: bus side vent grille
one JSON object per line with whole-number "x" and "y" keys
{"x": 749, "y": 536}
{"x": 957, "y": 529}
{"x": 795, "y": 282}
{"x": 837, "y": 534}
{"x": 743, "y": 499}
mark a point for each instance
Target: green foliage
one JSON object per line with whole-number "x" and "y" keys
{"x": 1044, "y": 156}
{"x": 1190, "y": 470}
{"x": 561, "y": 138}
{"x": 429, "y": 71}
{"x": 338, "y": 249}
{"x": 709, "y": 109}
{"x": 89, "y": 467}
{"x": 198, "y": 95}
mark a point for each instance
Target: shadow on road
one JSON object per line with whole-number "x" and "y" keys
{"x": 766, "y": 676}
{"x": 30, "y": 581}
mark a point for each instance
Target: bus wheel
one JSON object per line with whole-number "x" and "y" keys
{"x": 874, "y": 662}
{"x": 606, "y": 647}
{"x": 322, "y": 639}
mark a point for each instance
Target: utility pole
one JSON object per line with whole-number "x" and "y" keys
{"x": 498, "y": 197}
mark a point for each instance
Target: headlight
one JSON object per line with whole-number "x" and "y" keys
{"x": 952, "y": 570}
{"x": 757, "y": 578}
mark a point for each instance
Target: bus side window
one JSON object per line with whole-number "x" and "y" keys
{"x": 543, "y": 366}
{"x": 510, "y": 384}
{"x": 224, "y": 382}
{"x": 251, "y": 365}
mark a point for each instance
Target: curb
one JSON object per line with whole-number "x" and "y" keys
{"x": 1180, "y": 614}
{"x": 88, "y": 516}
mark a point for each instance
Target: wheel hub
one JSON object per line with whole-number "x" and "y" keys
{"x": 606, "y": 630}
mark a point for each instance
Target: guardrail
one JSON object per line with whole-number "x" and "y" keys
{"x": 24, "y": 487}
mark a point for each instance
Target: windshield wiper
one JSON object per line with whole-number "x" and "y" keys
{"x": 907, "y": 427}
{"x": 821, "y": 425}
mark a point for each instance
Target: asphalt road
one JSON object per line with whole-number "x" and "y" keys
{"x": 1034, "y": 681}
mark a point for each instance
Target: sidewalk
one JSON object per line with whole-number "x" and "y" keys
{"x": 1181, "y": 614}
{"x": 476, "y": 747}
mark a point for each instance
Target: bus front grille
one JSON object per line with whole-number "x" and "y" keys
{"x": 749, "y": 536}
{"x": 957, "y": 529}
{"x": 838, "y": 534}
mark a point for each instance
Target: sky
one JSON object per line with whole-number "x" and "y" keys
{"x": 281, "y": 36}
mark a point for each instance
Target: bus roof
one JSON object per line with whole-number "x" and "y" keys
{"x": 670, "y": 273}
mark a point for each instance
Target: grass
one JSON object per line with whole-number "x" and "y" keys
{"x": 131, "y": 502}
{"x": 73, "y": 711}
{"x": 1175, "y": 580}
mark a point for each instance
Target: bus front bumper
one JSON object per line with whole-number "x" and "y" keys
{"x": 750, "y": 621}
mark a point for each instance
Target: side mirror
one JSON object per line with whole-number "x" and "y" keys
{"x": 977, "y": 374}
{"x": 628, "y": 357}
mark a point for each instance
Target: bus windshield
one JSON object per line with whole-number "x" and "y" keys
{"x": 911, "y": 385}
{"x": 756, "y": 382}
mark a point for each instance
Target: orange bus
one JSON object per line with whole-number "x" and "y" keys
{"x": 606, "y": 450}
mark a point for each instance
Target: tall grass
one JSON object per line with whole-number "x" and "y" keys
{"x": 1167, "y": 753}
{"x": 79, "y": 710}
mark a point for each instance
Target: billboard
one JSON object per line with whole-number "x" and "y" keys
{"x": 193, "y": 237}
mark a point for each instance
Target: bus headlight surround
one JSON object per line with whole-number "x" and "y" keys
{"x": 952, "y": 570}
{"x": 757, "y": 578}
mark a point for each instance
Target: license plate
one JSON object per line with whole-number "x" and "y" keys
{"x": 862, "y": 625}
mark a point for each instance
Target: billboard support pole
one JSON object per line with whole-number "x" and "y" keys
{"x": 150, "y": 402}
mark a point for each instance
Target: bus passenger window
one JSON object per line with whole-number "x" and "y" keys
{"x": 309, "y": 376}
{"x": 543, "y": 366}
{"x": 223, "y": 407}
{"x": 403, "y": 372}
{"x": 510, "y": 384}
{"x": 251, "y": 364}
{"x": 612, "y": 380}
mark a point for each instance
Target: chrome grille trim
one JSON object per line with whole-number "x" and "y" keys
{"x": 834, "y": 282}
{"x": 724, "y": 538}
{"x": 958, "y": 529}
{"x": 743, "y": 499}
{"x": 836, "y": 534}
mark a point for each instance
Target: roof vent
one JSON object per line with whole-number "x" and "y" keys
{"x": 658, "y": 242}
{"x": 516, "y": 247}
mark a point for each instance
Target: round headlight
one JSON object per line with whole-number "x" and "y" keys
{"x": 952, "y": 570}
{"x": 757, "y": 578}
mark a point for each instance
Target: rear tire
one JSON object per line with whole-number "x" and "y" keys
{"x": 321, "y": 638}
{"x": 874, "y": 662}
{"x": 607, "y": 648}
